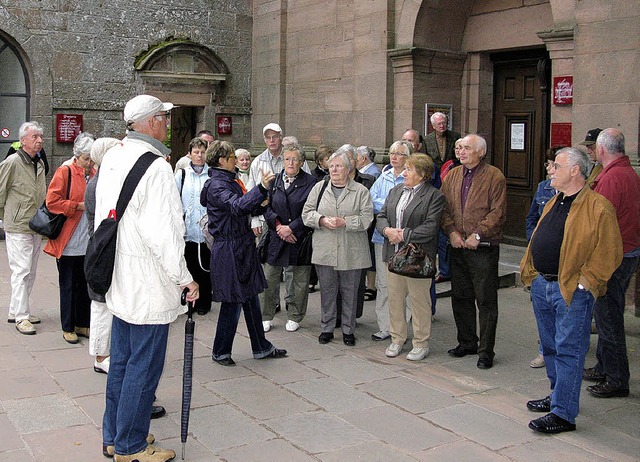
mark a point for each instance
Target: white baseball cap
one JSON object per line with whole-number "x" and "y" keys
{"x": 272, "y": 126}
{"x": 143, "y": 106}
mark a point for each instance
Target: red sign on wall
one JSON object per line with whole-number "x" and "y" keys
{"x": 225, "y": 125}
{"x": 68, "y": 126}
{"x": 563, "y": 90}
{"x": 560, "y": 135}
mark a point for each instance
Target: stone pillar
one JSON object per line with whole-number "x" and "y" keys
{"x": 403, "y": 102}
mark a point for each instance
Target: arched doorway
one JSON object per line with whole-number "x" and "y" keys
{"x": 14, "y": 93}
{"x": 189, "y": 75}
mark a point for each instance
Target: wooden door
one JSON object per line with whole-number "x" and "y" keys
{"x": 519, "y": 133}
{"x": 182, "y": 131}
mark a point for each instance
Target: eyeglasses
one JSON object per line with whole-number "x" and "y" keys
{"x": 272, "y": 138}
{"x": 555, "y": 165}
{"x": 397, "y": 154}
{"x": 166, "y": 115}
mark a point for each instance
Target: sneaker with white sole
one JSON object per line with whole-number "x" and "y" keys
{"x": 393, "y": 350}
{"x": 267, "y": 325}
{"x": 150, "y": 454}
{"x": 537, "y": 362}
{"x": 25, "y": 327}
{"x": 102, "y": 367}
{"x": 292, "y": 326}
{"x": 418, "y": 354}
{"x": 380, "y": 335}
{"x": 32, "y": 319}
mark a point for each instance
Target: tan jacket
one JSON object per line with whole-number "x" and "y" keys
{"x": 486, "y": 207}
{"x": 591, "y": 247}
{"x": 22, "y": 191}
{"x": 343, "y": 248}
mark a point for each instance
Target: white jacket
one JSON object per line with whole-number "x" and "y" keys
{"x": 149, "y": 265}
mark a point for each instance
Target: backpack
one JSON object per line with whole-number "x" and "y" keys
{"x": 100, "y": 257}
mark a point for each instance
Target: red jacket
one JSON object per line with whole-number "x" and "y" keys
{"x": 58, "y": 203}
{"x": 620, "y": 183}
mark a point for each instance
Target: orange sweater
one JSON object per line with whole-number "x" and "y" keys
{"x": 57, "y": 202}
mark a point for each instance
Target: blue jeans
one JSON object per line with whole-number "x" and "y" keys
{"x": 137, "y": 360}
{"x": 608, "y": 311}
{"x": 564, "y": 336}
{"x": 228, "y": 324}
{"x": 443, "y": 254}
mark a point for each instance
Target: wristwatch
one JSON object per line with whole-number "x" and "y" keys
{"x": 477, "y": 236}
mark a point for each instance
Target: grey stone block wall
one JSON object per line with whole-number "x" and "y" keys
{"x": 81, "y": 55}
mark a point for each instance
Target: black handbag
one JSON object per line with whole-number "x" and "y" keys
{"x": 263, "y": 246}
{"x": 46, "y": 223}
{"x": 412, "y": 261}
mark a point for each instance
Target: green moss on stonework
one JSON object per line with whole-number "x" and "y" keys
{"x": 156, "y": 46}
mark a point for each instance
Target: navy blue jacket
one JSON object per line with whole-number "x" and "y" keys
{"x": 285, "y": 206}
{"x": 236, "y": 273}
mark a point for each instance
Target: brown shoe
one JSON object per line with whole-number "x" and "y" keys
{"x": 25, "y": 327}
{"x": 82, "y": 332}
{"x": 149, "y": 454}
{"x": 109, "y": 451}
{"x": 70, "y": 337}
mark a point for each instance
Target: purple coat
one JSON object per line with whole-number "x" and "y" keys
{"x": 236, "y": 273}
{"x": 285, "y": 206}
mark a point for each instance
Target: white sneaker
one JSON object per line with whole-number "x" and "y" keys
{"x": 103, "y": 367}
{"x": 393, "y": 350}
{"x": 292, "y": 326}
{"x": 418, "y": 354}
{"x": 25, "y": 327}
{"x": 267, "y": 325}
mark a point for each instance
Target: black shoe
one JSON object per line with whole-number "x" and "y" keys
{"x": 157, "y": 412}
{"x": 461, "y": 351}
{"x": 277, "y": 353}
{"x": 540, "y": 405}
{"x": 202, "y": 312}
{"x": 325, "y": 337}
{"x": 551, "y": 423}
{"x": 349, "y": 339}
{"x": 312, "y": 289}
{"x": 592, "y": 375}
{"x": 606, "y": 389}
{"x": 225, "y": 361}
{"x": 485, "y": 363}
{"x": 278, "y": 308}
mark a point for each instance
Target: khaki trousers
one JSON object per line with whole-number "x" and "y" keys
{"x": 398, "y": 288}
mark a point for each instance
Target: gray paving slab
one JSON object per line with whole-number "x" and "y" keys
{"x": 276, "y": 449}
{"x": 21, "y": 455}
{"x": 481, "y": 425}
{"x": 461, "y": 450}
{"x": 550, "y": 450}
{"x": 16, "y": 357}
{"x": 55, "y": 445}
{"x": 259, "y": 397}
{"x": 370, "y": 452}
{"x": 317, "y": 431}
{"x": 283, "y": 371}
{"x": 11, "y": 439}
{"x": 349, "y": 369}
{"x": 342, "y": 398}
{"x": 67, "y": 359}
{"x": 399, "y": 428}
{"x": 41, "y": 413}
{"x": 26, "y": 382}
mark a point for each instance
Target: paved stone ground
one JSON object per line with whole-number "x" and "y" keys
{"x": 322, "y": 402}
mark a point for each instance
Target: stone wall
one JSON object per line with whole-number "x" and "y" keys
{"x": 81, "y": 55}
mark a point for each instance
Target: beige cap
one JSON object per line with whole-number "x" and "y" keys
{"x": 143, "y": 106}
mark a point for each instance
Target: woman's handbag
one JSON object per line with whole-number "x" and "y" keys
{"x": 412, "y": 261}
{"x": 305, "y": 250}
{"x": 46, "y": 223}
{"x": 263, "y": 246}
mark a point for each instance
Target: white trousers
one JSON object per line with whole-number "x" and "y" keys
{"x": 23, "y": 252}
{"x": 100, "y": 329}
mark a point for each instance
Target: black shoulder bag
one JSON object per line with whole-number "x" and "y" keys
{"x": 99, "y": 259}
{"x": 306, "y": 246}
{"x": 45, "y": 222}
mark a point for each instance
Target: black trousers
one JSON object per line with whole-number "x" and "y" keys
{"x": 197, "y": 269}
{"x": 75, "y": 305}
{"x": 474, "y": 279}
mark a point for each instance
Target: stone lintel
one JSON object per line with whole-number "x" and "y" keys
{"x": 404, "y": 59}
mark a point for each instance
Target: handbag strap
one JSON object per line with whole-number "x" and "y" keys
{"x": 131, "y": 181}
{"x": 324, "y": 186}
{"x": 68, "y": 182}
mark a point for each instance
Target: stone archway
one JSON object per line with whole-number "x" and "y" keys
{"x": 189, "y": 75}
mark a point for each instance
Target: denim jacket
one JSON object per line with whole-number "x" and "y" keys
{"x": 543, "y": 194}
{"x": 190, "y": 196}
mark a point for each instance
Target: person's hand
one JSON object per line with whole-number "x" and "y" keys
{"x": 257, "y": 231}
{"x": 194, "y": 291}
{"x": 284, "y": 232}
{"x": 80, "y": 206}
{"x": 291, "y": 239}
{"x": 456, "y": 240}
{"x": 340, "y": 222}
{"x": 395, "y": 235}
{"x": 471, "y": 243}
{"x": 328, "y": 222}
{"x": 267, "y": 178}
